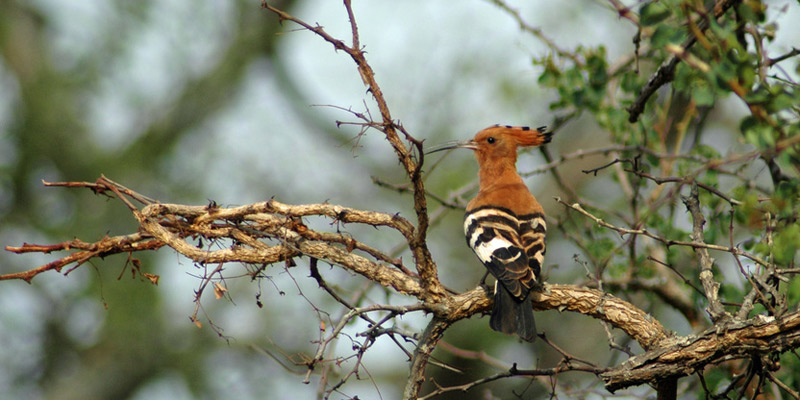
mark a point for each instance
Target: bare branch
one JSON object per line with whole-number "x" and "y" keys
{"x": 625, "y": 12}
{"x": 795, "y": 394}
{"x": 172, "y": 224}
{"x": 636, "y": 323}
{"x": 792, "y": 53}
{"x": 514, "y": 371}
{"x": 427, "y": 343}
{"x": 99, "y": 249}
{"x": 411, "y": 158}
{"x": 685, "y": 355}
{"x": 537, "y": 32}
{"x": 710, "y": 286}
{"x": 669, "y": 242}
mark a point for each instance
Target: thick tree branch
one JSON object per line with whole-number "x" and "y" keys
{"x": 642, "y": 327}
{"x": 685, "y": 355}
{"x": 254, "y": 237}
{"x": 171, "y": 224}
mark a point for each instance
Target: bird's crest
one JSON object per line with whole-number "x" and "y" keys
{"x": 521, "y": 135}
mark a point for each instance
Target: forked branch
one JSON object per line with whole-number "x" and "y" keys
{"x": 272, "y": 232}
{"x": 410, "y": 156}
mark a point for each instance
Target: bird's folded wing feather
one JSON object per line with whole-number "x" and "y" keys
{"x": 494, "y": 236}
{"x": 532, "y": 231}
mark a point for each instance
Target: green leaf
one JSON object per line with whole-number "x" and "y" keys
{"x": 601, "y": 249}
{"x": 757, "y": 132}
{"x": 793, "y": 291}
{"x": 597, "y": 67}
{"x": 785, "y": 244}
{"x": 751, "y": 11}
{"x": 781, "y": 101}
{"x": 703, "y": 94}
{"x": 758, "y": 96}
{"x": 786, "y": 198}
{"x": 705, "y": 151}
{"x": 618, "y": 270}
{"x": 631, "y": 82}
{"x": 724, "y": 71}
{"x": 665, "y": 35}
{"x": 551, "y": 74}
{"x": 749, "y": 212}
{"x": 653, "y": 13}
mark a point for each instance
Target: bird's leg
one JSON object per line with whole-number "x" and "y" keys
{"x": 483, "y": 280}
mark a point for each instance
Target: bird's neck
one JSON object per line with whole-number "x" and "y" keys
{"x": 494, "y": 173}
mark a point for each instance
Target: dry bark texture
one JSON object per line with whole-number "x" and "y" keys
{"x": 272, "y": 232}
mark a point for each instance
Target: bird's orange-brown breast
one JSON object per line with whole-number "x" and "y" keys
{"x": 513, "y": 196}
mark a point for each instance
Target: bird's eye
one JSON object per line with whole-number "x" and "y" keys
{"x": 490, "y": 140}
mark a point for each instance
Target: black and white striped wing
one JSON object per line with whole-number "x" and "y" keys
{"x": 532, "y": 231}
{"x": 494, "y": 235}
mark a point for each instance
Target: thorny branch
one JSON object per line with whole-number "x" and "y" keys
{"x": 410, "y": 157}
{"x": 685, "y": 355}
{"x": 174, "y": 225}
{"x": 669, "y": 242}
{"x": 535, "y": 31}
{"x": 513, "y": 371}
{"x": 252, "y": 226}
{"x": 267, "y": 233}
{"x": 272, "y": 232}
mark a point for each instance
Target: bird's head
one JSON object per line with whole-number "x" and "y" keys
{"x": 500, "y": 142}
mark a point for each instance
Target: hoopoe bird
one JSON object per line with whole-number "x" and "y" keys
{"x": 504, "y": 224}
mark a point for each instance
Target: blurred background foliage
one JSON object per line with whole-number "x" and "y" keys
{"x": 193, "y": 101}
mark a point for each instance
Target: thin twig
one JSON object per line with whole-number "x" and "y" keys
{"x": 669, "y": 242}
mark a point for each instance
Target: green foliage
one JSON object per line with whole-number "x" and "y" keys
{"x": 749, "y": 198}
{"x": 715, "y": 379}
{"x": 653, "y": 13}
{"x": 748, "y": 154}
{"x": 793, "y": 291}
{"x": 790, "y": 363}
{"x": 601, "y": 249}
{"x": 666, "y": 34}
{"x": 697, "y": 84}
{"x": 582, "y": 86}
{"x": 618, "y": 270}
{"x": 786, "y": 243}
{"x": 786, "y": 199}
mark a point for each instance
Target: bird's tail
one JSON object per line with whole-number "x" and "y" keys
{"x": 512, "y": 316}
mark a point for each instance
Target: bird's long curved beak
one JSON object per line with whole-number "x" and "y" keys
{"x": 456, "y": 144}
